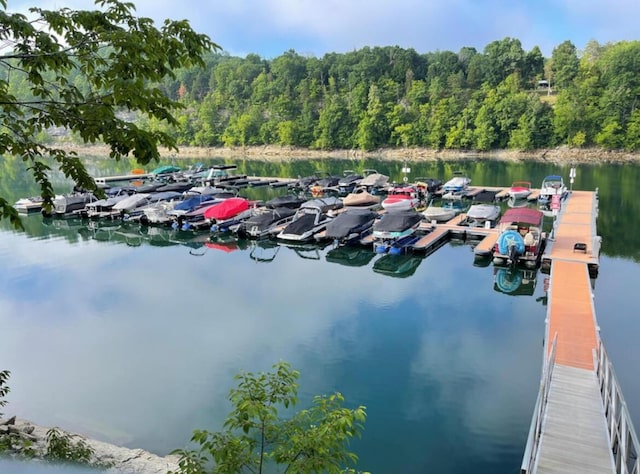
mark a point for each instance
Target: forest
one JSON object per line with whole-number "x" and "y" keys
{"x": 384, "y": 97}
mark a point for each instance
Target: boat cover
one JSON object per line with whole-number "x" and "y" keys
{"x": 483, "y": 211}
{"x": 288, "y": 200}
{"x": 323, "y": 204}
{"x": 374, "y": 180}
{"x": 263, "y": 220}
{"x": 397, "y": 221}
{"x": 191, "y": 203}
{"x": 227, "y": 209}
{"x": 353, "y": 220}
{"x": 360, "y": 198}
{"x": 303, "y": 224}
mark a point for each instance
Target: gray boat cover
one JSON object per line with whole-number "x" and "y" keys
{"x": 397, "y": 221}
{"x": 351, "y": 220}
{"x": 303, "y": 224}
{"x": 264, "y": 220}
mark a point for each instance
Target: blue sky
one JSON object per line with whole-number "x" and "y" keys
{"x": 316, "y": 27}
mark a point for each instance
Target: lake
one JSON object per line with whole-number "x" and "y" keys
{"x": 134, "y": 337}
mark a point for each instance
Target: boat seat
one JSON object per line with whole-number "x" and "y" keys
{"x": 580, "y": 247}
{"x": 529, "y": 239}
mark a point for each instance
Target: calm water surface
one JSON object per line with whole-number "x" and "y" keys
{"x": 134, "y": 339}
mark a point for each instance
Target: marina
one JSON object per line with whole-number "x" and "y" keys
{"x": 571, "y": 255}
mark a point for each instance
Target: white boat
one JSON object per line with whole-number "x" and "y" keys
{"x": 457, "y": 184}
{"x": 439, "y": 213}
{"x": 482, "y": 215}
{"x": 551, "y": 185}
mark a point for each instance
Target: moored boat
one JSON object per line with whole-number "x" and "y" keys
{"x": 402, "y": 198}
{"x": 520, "y": 190}
{"x": 552, "y": 185}
{"x": 311, "y": 218}
{"x": 395, "y": 230}
{"x": 352, "y": 224}
{"x": 482, "y": 215}
{"x": 521, "y": 238}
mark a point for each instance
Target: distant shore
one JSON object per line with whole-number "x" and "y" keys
{"x": 274, "y": 153}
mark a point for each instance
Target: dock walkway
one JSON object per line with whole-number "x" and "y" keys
{"x": 572, "y": 435}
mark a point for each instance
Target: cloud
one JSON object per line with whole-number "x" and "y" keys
{"x": 271, "y": 27}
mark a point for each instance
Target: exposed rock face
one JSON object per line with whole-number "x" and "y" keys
{"x": 123, "y": 460}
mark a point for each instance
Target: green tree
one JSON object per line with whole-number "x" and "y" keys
{"x": 120, "y": 57}
{"x": 255, "y": 438}
{"x": 564, "y": 64}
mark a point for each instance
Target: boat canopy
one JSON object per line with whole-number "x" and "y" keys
{"x": 524, "y": 215}
{"x": 553, "y": 177}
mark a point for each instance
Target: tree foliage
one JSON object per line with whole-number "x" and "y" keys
{"x": 87, "y": 72}
{"x": 256, "y": 438}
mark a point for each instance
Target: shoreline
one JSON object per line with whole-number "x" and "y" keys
{"x": 275, "y": 153}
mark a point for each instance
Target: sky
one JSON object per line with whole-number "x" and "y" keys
{"x": 316, "y": 27}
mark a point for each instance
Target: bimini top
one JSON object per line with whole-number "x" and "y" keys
{"x": 524, "y": 215}
{"x": 553, "y": 177}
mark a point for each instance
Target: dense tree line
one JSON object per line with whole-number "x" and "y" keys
{"x": 394, "y": 97}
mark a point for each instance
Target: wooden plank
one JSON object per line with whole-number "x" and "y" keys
{"x": 574, "y": 433}
{"x": 432, "y": 239}
{"x": 485, "y": 246}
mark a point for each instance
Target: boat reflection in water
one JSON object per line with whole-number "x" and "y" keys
{"x": 350, "y": 255}
{"x": 397, "y": 265}
{"x": 515, "y": 281}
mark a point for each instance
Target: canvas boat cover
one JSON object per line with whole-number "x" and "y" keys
{"x": 264, "y": 220}
{"x": 302, "y": 224}
{"x": 397, "y": 221}
{"x": 227, "y": 209}
{"x": 288, "y": 200}
{"x": 374, "y": 180}
{"x": 191, "y": 203}
{"x": 483, "y": 211}
{"x": 360, "y": 198}
{"x": 323, "y": 204}
{"x": 352, "y": 220}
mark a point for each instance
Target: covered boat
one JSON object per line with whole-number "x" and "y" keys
{"x": 439, "y": 213}
{"x": 372, "y": 180}
{"x": 264, "y": 222}
{"x": 457, "y": 184}
{"x": 394, "y": 231}
{"x": 521, "y": 239}
{"x": 482, "y": 215}
{"x": 352, "y": 224}
{"x": 311, "y": 218}
{"x": 361, "y": 198}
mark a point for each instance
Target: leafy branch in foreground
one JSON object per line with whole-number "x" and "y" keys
{"x": 255, "y": 438}
{"x": 116, "y": 56}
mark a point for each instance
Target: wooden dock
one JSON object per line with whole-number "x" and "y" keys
{"x": 573, "y": 434}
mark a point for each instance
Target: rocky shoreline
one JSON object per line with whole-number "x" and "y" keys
{"x": 121, "y": 460}
{"x": 274, "y": 153}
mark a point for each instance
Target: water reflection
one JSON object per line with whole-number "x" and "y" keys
{"x": 515, "y": 281}
{"x": 121, "y": 334}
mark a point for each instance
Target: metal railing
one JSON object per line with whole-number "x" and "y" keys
{"x": 535, "y": 430}
{"x": 623, "y": 438}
